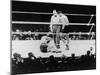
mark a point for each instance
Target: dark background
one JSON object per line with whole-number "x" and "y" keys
{"x": 48, "y": 8}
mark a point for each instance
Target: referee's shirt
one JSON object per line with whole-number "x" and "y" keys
{"x": 54, "y": 20}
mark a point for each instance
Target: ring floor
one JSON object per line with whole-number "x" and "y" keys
{"x": 78, "y": 47}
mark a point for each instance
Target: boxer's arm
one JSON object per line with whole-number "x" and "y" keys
{"x": 66, "y": 21}
{"x": 51, "y": 23}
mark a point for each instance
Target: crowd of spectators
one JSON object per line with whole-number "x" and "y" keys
{"x": 28, "y": 35}
{"x": 33, "y": 64}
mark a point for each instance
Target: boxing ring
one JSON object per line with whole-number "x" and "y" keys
{"x": 78, "y": 47}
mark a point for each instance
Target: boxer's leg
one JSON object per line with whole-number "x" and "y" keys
{"x": 58, "y": 36}
{"x": 54, "y": 31}
{"x": 67, "y": 42}
{"x": 65, "y": 39}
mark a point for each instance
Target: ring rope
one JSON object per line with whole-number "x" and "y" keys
{"x": 90, "y": 19}
{"x": 89, "y": 23}
{"x": 51, "y": 13}
{"x": 45, "y": 23}
{"x": 81, "y": 33}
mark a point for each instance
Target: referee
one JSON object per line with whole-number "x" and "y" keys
{"x": 55, "y": 27}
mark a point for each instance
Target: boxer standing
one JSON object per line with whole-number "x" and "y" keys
{"x": 63, "y": 21}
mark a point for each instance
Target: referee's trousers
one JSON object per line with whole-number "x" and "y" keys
{"x": 56, "y": 30}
